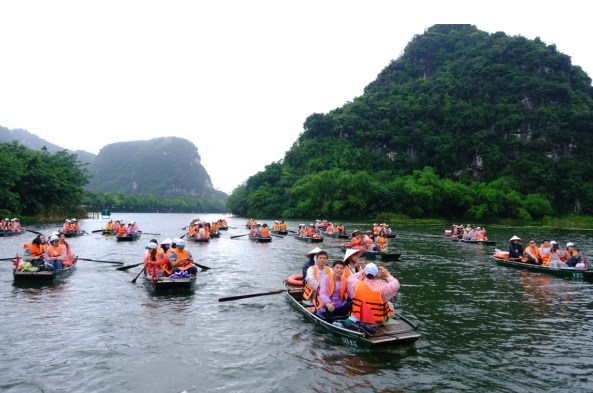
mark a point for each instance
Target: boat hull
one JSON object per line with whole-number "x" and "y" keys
{"x": 11, "y": 233}
{"x": 397, "y": 331}
{"x": 566, "y": 272}
{"x": 43, "y": 277}
{"x": 166, "y": 285}
{"x": 260, "y": 239}
{"x": 309, "y": 239}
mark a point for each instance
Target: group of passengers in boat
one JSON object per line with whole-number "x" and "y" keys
{"x": 309, "y": 231}
{"x": 259, "y": 230}
{"x": 10, "y": 225}
{"x": 279, "y": 226}
{"x": 199, "y": 229}
{"x": 335, "y": 228}
{"x": 357, "y": 296}
{"x": 368, "y": 242}
{"x": 381, "y": 229}
{"x": 170, "y": 258}
{"x": 119, "y": 228}
{"x": 547, "y": 253}
{"x": 40, "y": 254}
{"x": 71, "y": 225}
{"x": 469, "y": 232}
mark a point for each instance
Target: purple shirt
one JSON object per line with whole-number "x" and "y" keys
{"x": 324, "y": 296}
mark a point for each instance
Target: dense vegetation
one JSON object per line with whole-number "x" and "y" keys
{"x": 463, "y": 124}
{"x": 37, "y": 183}
{"x": 97, "y": 201}
{"x": 165, "y": 167}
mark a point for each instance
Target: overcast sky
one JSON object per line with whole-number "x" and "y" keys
{"x": 236, "y": 78}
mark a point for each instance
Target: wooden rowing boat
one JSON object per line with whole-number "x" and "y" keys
{"x": 214, "y": 234}
{"x": 43, "y": 277}
{"x": 482, "y": 242}
{"x": 261, "y": 239}
{"x": 309, "y": 239}
{"x": 336, "y": 235}
{"x": 398, "y": 330}
{"x": 567, "y": 272}
{"x": 279, "y": 232}
{"x": 384, "y": 256}
{"x": 128, "y": 238}
{"x": 106, "y": 232}
{"x": 72, "y": 233}
{"x": 4, "y": 233}
{"x": 166, "y": 285}
{"x": 199, "y": 240}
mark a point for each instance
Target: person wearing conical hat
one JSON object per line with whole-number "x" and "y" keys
{"x": 310, "y": 261}
{"x": 515, "y": 248}
{"x": 352, "y": 262}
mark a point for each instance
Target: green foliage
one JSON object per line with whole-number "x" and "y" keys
{"x": 37, "y": 182}
{"x": 463, "y": 124}
{"x": 149, "y": 203}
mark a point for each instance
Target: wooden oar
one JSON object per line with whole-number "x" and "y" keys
{"x": 7, "y": 259}
{"x": 291, "y": 231}
{"x": 141, "y": 271}
{"x": 97, "y": 230}
{"x": 28, "y": 230}
{"x": 154, "y": 234}
{"x": 280, "y": 236}
{"x": 85, "y": 232}
{"x": 272, "y": 292}
{"x": 236, "y": 236}
{"x": 122, "y": 268}
{"x": 202, "y": 266}
{"x": 96, "y": 260}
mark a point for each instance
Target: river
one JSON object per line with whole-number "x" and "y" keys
{"x": 484, "y": 327}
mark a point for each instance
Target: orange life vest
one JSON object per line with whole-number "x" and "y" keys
{"x": 36, "y": 251}
{"x": 264, "y": 232}
{"x": 381, "y": 310}
{"x": 332, "y": 287}
{"x": 121, "y": 230}
{"x": 55, "y": 251}
{"x": 308, "y": 290}
{"x": 181, "y": 254}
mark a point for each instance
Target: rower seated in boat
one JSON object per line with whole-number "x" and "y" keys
{"x": 333, "y": 296}
{"x": 180, "y": 258}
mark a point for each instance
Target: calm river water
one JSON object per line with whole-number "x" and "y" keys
{"x": 484, "y": 327}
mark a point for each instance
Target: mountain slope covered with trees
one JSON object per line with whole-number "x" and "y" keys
{"x": 463, "y": 124}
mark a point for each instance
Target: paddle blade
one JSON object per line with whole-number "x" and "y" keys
{"x": 123, "y": 268}
{"x": 226, "y": 299}
{"x": 366, "y": 314}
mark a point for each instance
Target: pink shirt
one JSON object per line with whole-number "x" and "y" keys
{"x": 387, "y": 288}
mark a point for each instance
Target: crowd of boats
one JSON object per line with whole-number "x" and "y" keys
{"x": 354, "y": 284}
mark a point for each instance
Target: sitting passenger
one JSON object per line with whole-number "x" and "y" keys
{"x": 573, "y": 255}
{"x": 371, "y": 289}
{"x": 515, "y": 249}
{"x": 333, "y": 296}
{"x": 314, "y": 274}
{"x": 532, "y": 253}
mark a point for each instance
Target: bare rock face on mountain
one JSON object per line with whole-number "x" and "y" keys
{"x": 165, "y": 167}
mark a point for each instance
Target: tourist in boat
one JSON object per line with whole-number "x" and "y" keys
{"x": 312, "y": 231}
{"x": 54, "y": 253}
{"x": 310, "y": 261}
{"x": 341, "y": 229}
{"x": 573, "y": 255}
{"x": 355, "y": 242}
{"x": 531, "y": 252}
{"x": 133, "y": 229}
{"x": 515, "y": 249}
{"x": 333, "y": 296}
{"x": 557, "y": 256}
{"x": 109, "y": 226}
{"x": 122, "y": 230}
{"x": 382, "y": 243}
{"x": 180, "y": 258}
{"x": 545, "y": 250}
{"x": 352, "y": 262}
{"x": 481, "y": 234}
{"x": 373, "y": 288}
{"x": 264, "y": 231}
{"x": 155, "y": 260}
{"x": 302, "y": 232}
{"x": 369, "y": 242}
{"x": 68, "y": 260}
{"x": 314, "y": 274}
{"x": 35, "y": 250}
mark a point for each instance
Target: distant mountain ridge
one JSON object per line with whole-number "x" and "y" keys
{"x": 34, "y": 142}
{"x": 166, "y": 167}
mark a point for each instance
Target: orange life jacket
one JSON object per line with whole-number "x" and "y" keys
{"x": 36, "y": 251}
{"x": 332, "y": 287}
{"x": 381, "y": 310}
{"x": 181, "y": 254}
{"x": 533, "y": 251}
{"x": 265, "y": 232}
{"x": 121, "y": 230}
{"x": 55, "y": 251}
{"x": 308, "y": 290}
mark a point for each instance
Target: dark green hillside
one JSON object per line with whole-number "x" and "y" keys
{"x": 464, "y": 123}
{"x": 164, "y": 167}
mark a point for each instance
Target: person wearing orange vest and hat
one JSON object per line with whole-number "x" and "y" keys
{"x": 314, "y": 274}
{"x": 333, "y": 295}
{"x": 180, "y": 258}
{"x": 352, "y": 262}
{"x": 372, "y": 288}
{"x": 54, "y": 253}
{"x": 35, "y": 250}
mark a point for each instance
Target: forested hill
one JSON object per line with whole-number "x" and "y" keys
{"x": 165, "y": 167}
{"x": 34, "y": 142}
{"x": 463, "y": 124}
